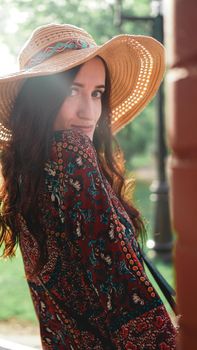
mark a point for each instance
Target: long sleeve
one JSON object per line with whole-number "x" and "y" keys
{"x": 99, "y": 283}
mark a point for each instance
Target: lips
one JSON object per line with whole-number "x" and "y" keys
{"x": 82, "y": 127}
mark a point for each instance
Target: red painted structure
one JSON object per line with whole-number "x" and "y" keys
{"x": 181, "y": 34}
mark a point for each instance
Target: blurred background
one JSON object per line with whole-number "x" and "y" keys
{"x": 143, "y": 141}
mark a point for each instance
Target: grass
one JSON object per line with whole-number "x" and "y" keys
{"x": 14, "y": 293}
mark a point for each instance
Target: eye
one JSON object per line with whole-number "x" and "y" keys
{"x": 97, "y": 93}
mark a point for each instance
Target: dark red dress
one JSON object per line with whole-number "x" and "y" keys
{"x": 93, "y": 293}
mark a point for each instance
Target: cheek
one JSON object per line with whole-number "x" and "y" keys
{"x": 63, "y": 116}
{"x": 98, "y": 111}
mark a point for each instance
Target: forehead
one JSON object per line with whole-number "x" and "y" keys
{"x": 92, "y": 71}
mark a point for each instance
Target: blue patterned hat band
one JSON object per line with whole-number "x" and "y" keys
{"x": 46, "y": 53}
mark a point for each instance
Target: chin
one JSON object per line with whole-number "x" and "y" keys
{"x": 90, "y": 135}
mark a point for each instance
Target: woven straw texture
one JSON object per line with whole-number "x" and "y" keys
{"x": 136, "y": 65}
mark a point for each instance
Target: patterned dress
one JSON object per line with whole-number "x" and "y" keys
{"x": 93, "y": 293}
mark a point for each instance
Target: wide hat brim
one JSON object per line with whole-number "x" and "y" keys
{"x": 136, "y": 65}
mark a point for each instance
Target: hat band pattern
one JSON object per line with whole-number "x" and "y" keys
{"x": 73, "y": 44}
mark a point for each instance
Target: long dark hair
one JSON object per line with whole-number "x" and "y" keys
{"x": 23, "y": 158}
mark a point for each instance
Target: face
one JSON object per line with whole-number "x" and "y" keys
{"x": 82, "y": 108}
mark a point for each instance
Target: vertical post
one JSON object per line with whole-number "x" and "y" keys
{"x": 181, "y": 30}
{"x": 162, "y": 233}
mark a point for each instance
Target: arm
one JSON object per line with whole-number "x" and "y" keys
{"x": 110, "y": 271}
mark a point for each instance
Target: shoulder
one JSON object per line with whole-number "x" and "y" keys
{"x": 72, "y": 144}
{"x": 72, "y": 170}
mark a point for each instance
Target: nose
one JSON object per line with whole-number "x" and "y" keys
{"x": 85, "y": 109}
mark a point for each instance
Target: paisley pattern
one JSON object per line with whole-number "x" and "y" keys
{"x": 93, "y": 292}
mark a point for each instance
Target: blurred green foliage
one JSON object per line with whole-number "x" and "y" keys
{"x": 19, "y": 17}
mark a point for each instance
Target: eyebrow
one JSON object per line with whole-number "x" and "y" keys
{"x": 81, "y": 85}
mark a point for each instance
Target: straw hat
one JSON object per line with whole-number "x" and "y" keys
{"x": 135, "y": 63}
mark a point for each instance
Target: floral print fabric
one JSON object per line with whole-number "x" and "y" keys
{"x": 93, "y": 292}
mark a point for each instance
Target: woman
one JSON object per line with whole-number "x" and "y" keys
{"x": 63, "y": 193}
